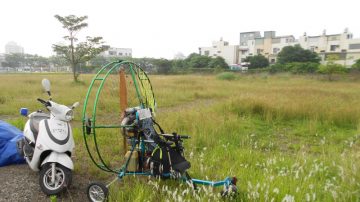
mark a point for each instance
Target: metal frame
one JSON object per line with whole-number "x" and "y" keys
{"x": 105, "y": 71}
{"x": 101, "y": 76}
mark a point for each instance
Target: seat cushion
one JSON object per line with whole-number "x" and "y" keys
{"x": 34, "y": 122}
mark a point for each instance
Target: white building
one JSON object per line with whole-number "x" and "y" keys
{"x": 252, "y": 43}
{"x": 343, "y": 46}
{"x": 223, "y": 49}
{"x": 13, "y": 47}
{"x": 117, "y": 52}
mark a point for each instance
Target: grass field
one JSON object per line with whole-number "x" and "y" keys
{"x": 284, "y": 137}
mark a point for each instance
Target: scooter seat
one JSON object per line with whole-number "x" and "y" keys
{"x": 34, "y": 122}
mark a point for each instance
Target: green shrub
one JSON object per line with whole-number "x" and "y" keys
{"x": 257, "y": 61}
{"x": 226, "y": 76}
{"x": 295, "y": 67}
{"x": 356, "y": 65}
{"x": 303, "y": 67}
{"x": 332, "y": 68}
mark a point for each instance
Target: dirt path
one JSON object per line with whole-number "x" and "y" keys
{"x": 19, "y": 183}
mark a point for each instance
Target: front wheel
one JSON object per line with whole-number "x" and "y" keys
{"x": 53, "y": 184}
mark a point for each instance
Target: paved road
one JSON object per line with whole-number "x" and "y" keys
{"x": 19, "y": 183}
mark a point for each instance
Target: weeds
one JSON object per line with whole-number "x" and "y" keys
{"x": 286, "y": 138}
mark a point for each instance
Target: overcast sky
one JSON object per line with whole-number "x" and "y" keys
{"x": 162, "y": 28}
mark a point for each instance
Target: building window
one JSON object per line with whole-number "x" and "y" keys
{"x": 214, "y": 46}
{"x": 333, "y": 47}
{"x": 120, "y": 54}
{"x": 276, "y": 50}
{"x": 206, "y": 53}
{"x": 218, "y": 51}
{"x": 259, "y": 51}
{"x": 214, "y": 55}
{"x": 354, "y": 46}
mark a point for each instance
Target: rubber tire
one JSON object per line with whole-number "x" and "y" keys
{"x": 102, "y": 186}
{"x": 65, "y": 185}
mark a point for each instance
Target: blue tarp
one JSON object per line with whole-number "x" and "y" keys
{"x": 8, "y": 137}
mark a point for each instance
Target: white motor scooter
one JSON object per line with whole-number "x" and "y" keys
{"x": 48, "y": 144}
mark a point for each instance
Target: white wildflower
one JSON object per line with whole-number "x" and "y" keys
{"x": 288, "y": 198}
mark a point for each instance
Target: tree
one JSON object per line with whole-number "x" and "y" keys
{"x": 195, "y": 60}
{"x": 332, "y": 68}
{"x": 15, "y": 60}
{"x": 57, "y": 61}
{"x": 296, "y": 54}
{"x": 218, "y": 62}
{"x": 77, "y": 52}
{"x": 99, "y": 61}
{"x": 178, "y": 63}
{"x": 163, "y": 66}
{"x": 36, "y": 61}
{"x": 257, "y": 61}
{"x": 357, "y": 64}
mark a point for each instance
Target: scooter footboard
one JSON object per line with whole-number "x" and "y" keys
{"x": 61, "y": 158}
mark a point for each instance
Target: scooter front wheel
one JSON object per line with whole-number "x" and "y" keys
{"x": 54, "y": 183}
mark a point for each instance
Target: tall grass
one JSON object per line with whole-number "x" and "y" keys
{"x": 285, "y": 137}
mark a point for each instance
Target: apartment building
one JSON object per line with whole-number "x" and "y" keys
{"x": 223, "y": 49}
{"x": 117, "y": 52}
{"x": 343, "y": 46}
{"x": 13, "y": 47}
{"x": 269, "y": 45}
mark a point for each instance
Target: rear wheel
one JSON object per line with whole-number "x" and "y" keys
{"x": 97, "y": 192}
{"x": 62, "y": 178}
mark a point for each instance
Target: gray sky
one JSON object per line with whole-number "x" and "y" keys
{"x": 162, "y": 28}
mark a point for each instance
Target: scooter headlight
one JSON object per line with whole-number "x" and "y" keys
{"x": 69, "y": 115}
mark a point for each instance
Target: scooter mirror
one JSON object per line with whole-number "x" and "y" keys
{"x": 76, "y": 104}
{"x": 46, "y": 85}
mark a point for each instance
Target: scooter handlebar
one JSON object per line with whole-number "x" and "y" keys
{"x": 46, "y": 103}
